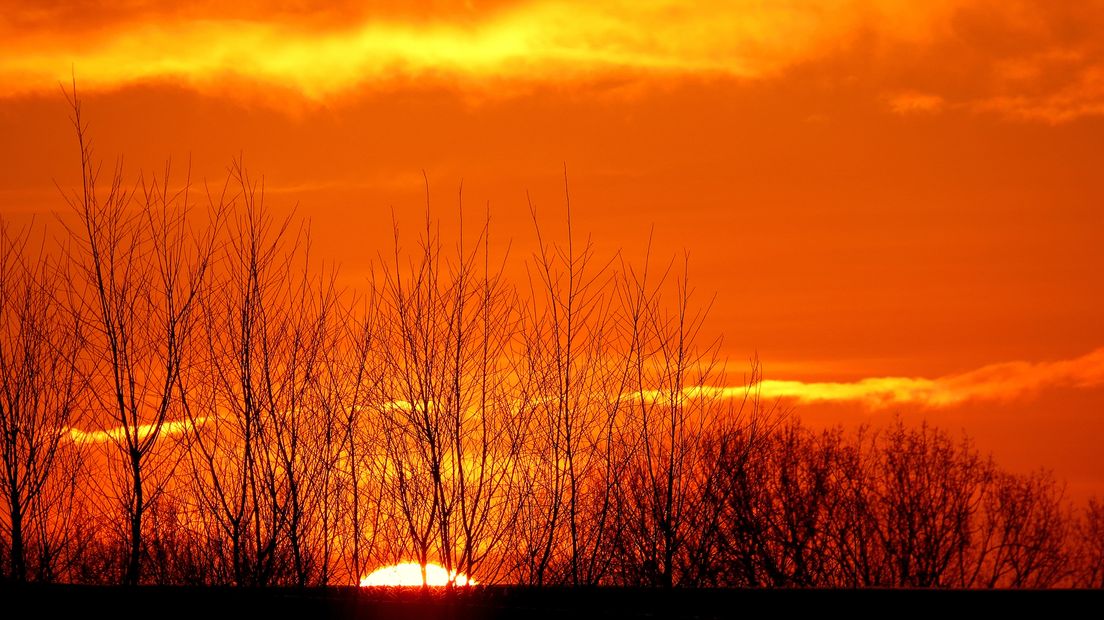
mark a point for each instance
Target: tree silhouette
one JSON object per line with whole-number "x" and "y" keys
{"x": 189, "y": 396}
{"x": 142, "y": 266}
{"x": 40, "y": 388}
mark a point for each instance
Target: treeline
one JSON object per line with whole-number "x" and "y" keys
{"x": 188, "y": 397}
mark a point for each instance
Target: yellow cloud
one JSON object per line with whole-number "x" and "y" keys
{"x": 171, "y": 427}
{"x": 1002, "y": 381}
{"x": 1025, "y": 65}
{"x": 536, "y": 41}
{"x": 993, "y": 382}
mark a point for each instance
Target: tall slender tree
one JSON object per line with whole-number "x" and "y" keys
{"x": 40, "y": 388}
{"x": 143, "y": 264}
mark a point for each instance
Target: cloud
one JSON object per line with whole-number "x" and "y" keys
{"x": 1004, "y": 381}
{"x": 1025, "y": 60}
{"x": 915, "y": 103}
{"x": 171, "y": 427}
{"x": 541, "y": 41}
{"x": 1083, "y": 96}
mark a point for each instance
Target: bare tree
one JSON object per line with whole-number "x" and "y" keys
{"x": 1022, "y": 534}
{"x": 263, "y": 445}
{"x": 912, "y": 498}
{"x": 564, "y": 429}
{"x": 143, "y": 264}
{"x": 732, "y": 482}
{"x": 40, "y": 387}
{"x": 668, "y": 372}
{"x": 485, "y": 424}
{"x": 1089, "y": 546}
{"x": 350, "y": 381}
{"x": 449, "y": 398}
{"x": 571, "y": 355}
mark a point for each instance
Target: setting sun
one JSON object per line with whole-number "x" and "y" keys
{"x": 410, "y": 574}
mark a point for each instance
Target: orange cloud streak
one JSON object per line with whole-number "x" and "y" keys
{"x": 1002, "y": 381}
{"x": 171, "y": 427}
{"x": 916, "y": 103}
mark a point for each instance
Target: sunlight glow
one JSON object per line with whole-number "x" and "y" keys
{"x": 410, "y": 574}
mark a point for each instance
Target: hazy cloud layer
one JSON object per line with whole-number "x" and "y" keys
{"x": 1024, "y": 59}
{"x": 535, "y": 41}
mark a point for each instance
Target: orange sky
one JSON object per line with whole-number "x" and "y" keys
{"x": 898, "y": 203}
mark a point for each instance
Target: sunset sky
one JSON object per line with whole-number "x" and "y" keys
{"x": 898, "y": 204}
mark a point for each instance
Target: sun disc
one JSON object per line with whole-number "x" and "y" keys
{"x": 409, "y": 574}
